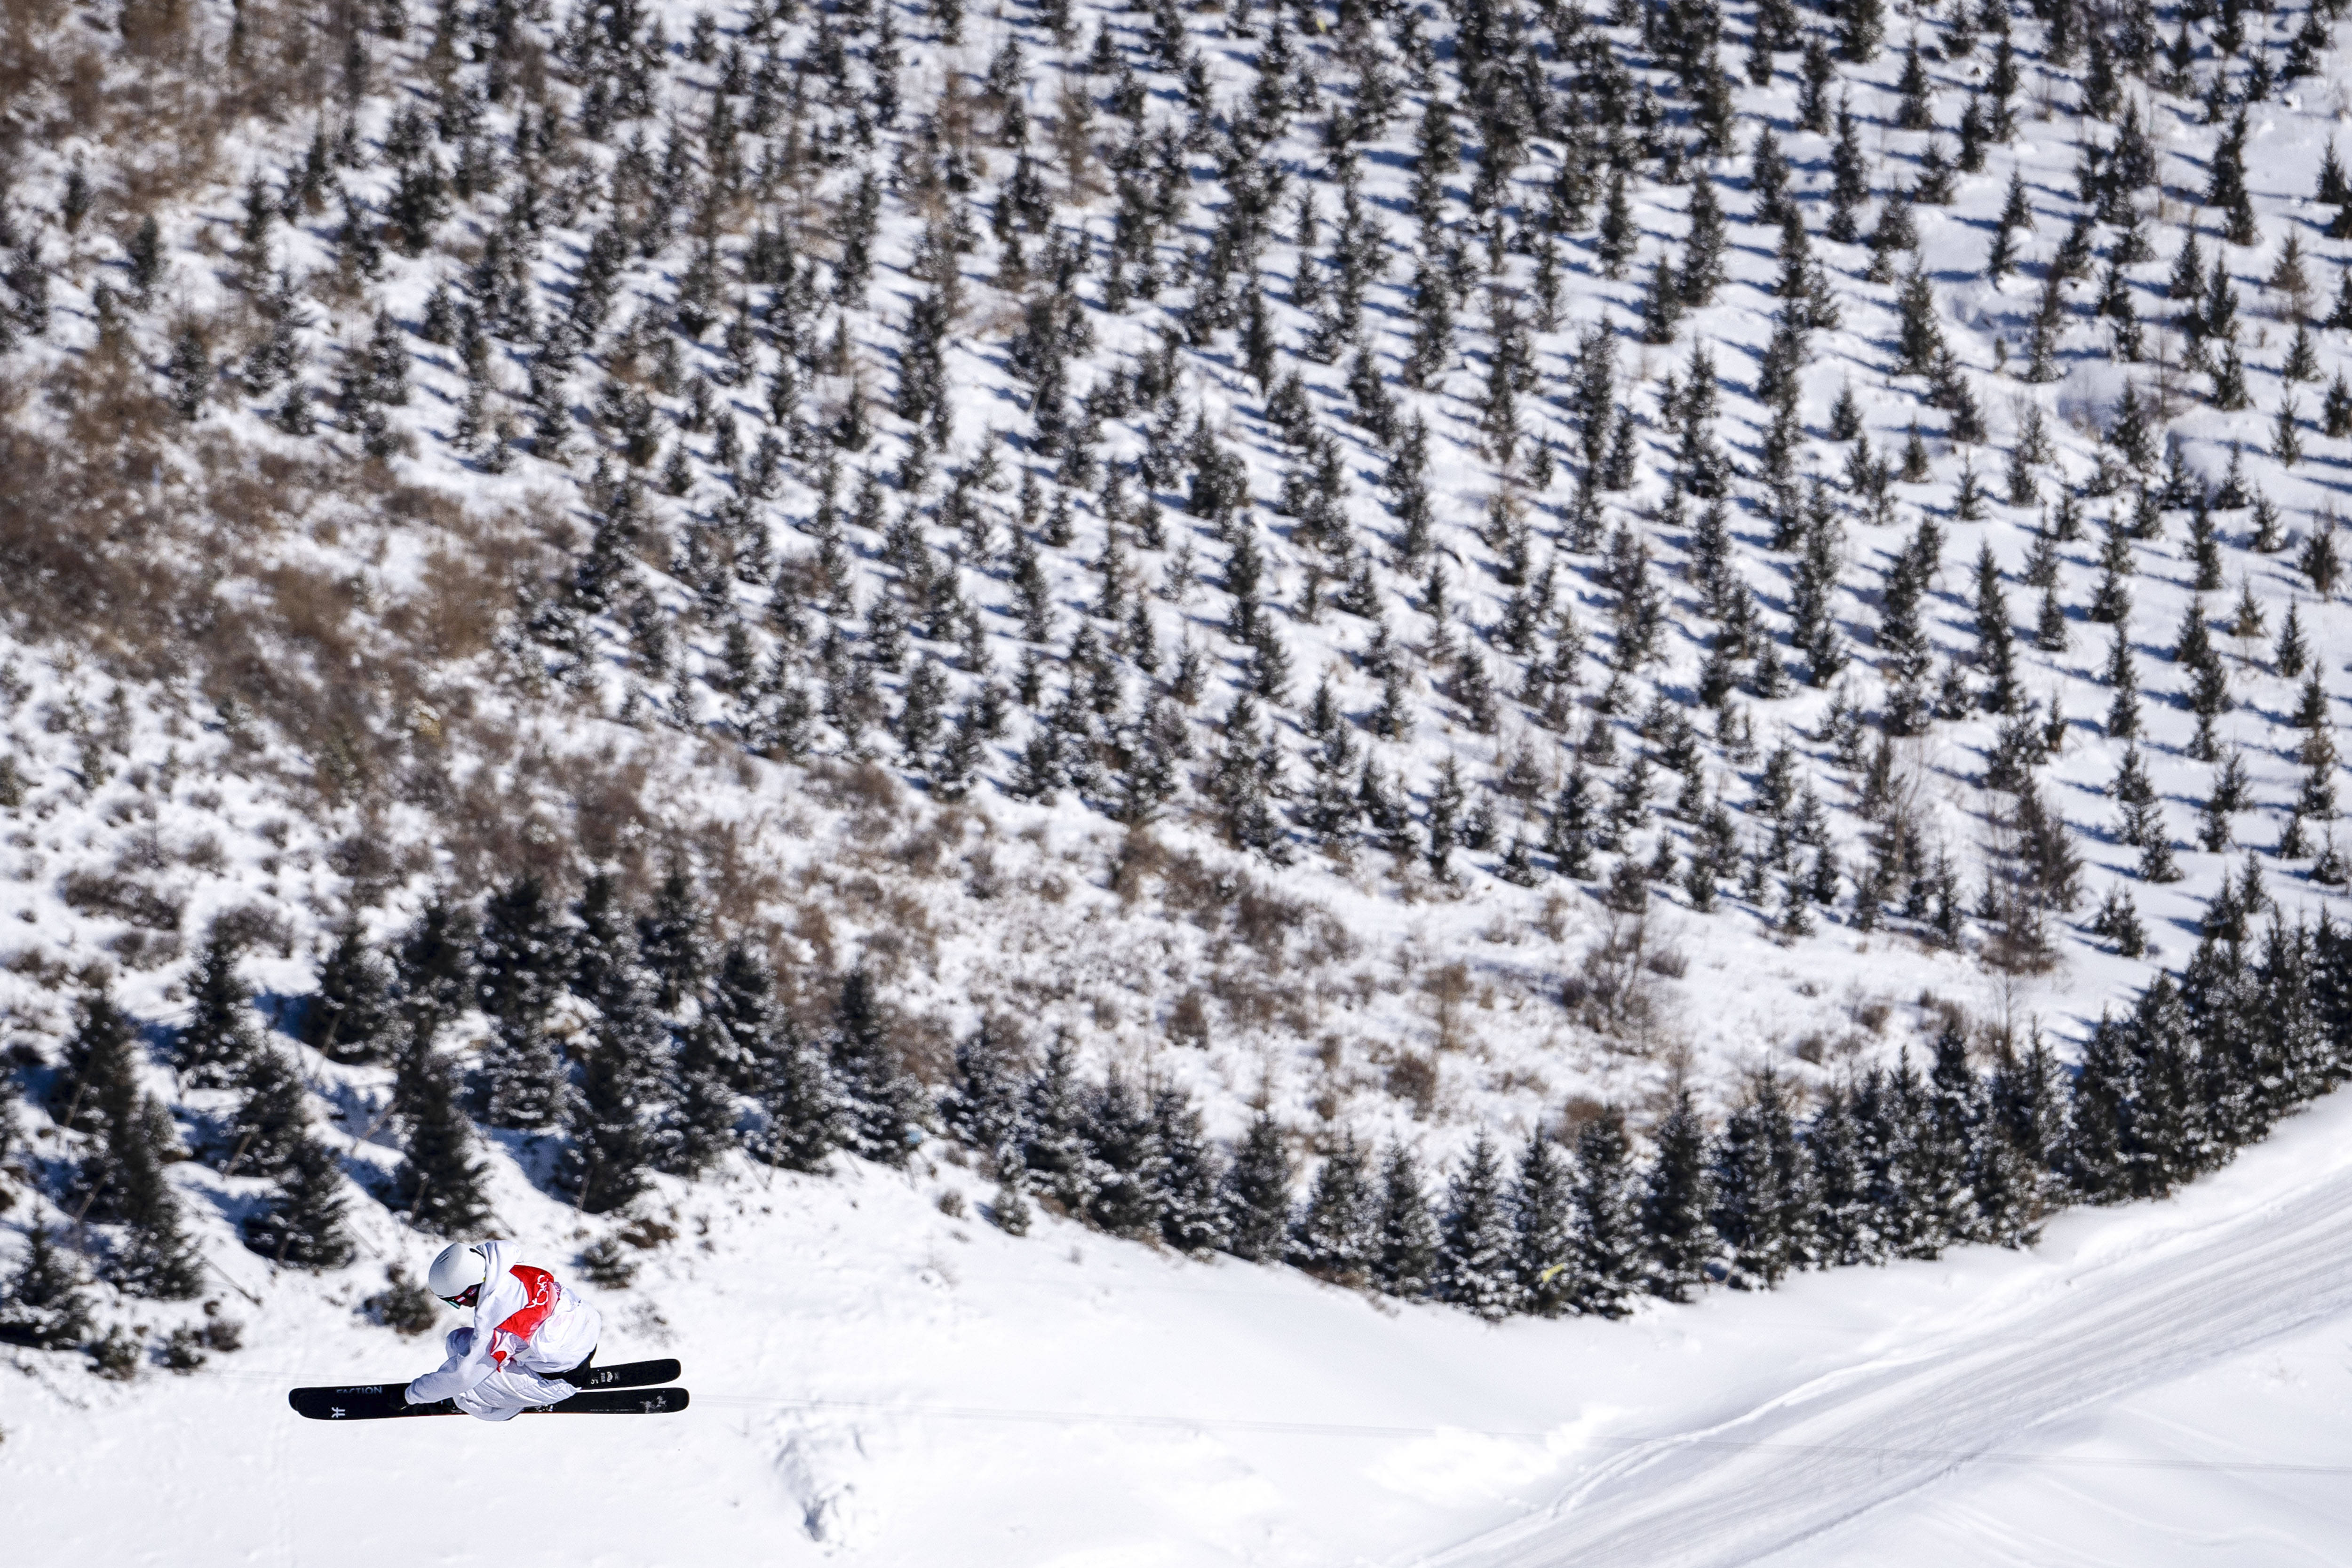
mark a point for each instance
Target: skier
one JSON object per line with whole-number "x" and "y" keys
{"x": 527, "y": 1328}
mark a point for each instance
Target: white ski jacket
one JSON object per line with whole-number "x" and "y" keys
{"x": 525, "y": 1325}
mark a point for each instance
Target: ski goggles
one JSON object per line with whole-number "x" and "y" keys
{"x": 465, "y": 1298}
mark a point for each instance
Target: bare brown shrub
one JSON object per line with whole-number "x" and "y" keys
{"x": 145, "y": 950}
{"x": 122, "y": 898}
{"x": 1448, "y": 989}
{"x": 1413, "y": 1078}
{"x": 1188, "y": 1020}
{"x": 256, "y": 925}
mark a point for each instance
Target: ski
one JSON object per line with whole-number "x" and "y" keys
{"x": 625, "y": 1375}
{"x": 619, "y": 1402}
{"x": 384, "y": 1402}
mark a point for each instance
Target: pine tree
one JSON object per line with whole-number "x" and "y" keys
{"x": 1702, "y": 270}
{"x": 2319, "y": 562}
{"x": 1886, "y": 1110}
{"x": 156, "y": 1258}
{"x": 301, "y": 1226}
{"x": 514, "y": 972}
{"x": 1191, "y": 1217}
{"x": 1257, "y": 1194}
{"x": 1920, "y": 341}
{"x": 1542, "y": 1202}
{"x": 1843, "y": 1220}
{"x": 1862, "y": 25}
{"x": 44, "y": 1305}
{"x": 190, "y": 371}
{"x": 1913, "y": 113}
{"x": 1129, "y": 1165}
{"x": 1768, "y": 177}
{"x": 523, "y": 1081}
{"x": 121, "y": 1180}
{"x": 350, "y": 1018}
{"x": 2292, "y": 652}
{"x": 882, "y": 1103}
{"x": 1607, "y": 1223}
{"x": 1405, "y": 1261}
{"x": 669, "y": 940}
{"x": 270, "y": 1122}
{"x": 1335, "y": 1236}
{"x": 1662, "y": 308}
{"x": 214, "y": 1045}
{"x": 800, "y": 1103}
{"x": 1760, "y": 1208}
{"x": 1947, "y": 1130}
{"x": 1996, "y": 641}
{"x": 100, "y": 1067}
{"x": 1474, "y": 1249}
{"x": 1054, "y": 1120}
{"x": 439, "y": 1182}
{"x": 518, "y": 957}
{"x": 981, "y": 1108}
{"x": 700, "y": 1124}
{"x": 2286, "y": 438}
{"x": 1675, "y": 1206}
{"x": 434, "y": 967}
{"x": 2095, "y": 1163}
{"x": 1618, "y": 234}
{"x": 609, "y": 1139}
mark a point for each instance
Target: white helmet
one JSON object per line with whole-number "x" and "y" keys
{"x": 461, "y": 1265}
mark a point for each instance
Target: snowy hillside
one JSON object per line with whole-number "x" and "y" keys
{"x": 1520, "y": 657}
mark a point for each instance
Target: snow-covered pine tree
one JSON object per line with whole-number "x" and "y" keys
{"x": 609, "y": 1136}
{"x": 670, "y": 941}
{"x": 523, "y": 1078}
{"x": 1762, "y": 1209}
{"x": 1611, "y": 1262}
{"x": 518, "y": 957}
{"x": 439, "y": 1182}
{"x": 1474, "y": 1253}
{"x": 270, "y": 1122}
{"x": 1054, "y": 1128}
{"x": 515, "y": 970}
{"x": 214, "y": 1045}
{"x": 1334, "y": 1235}
{"x": 101, "y": 1064}
{"x": 2011, "y": 1174}
{"x": 982, "y": 1106}
{"x": 350, "y": 1018}
{"x": 1192, "y": 1218}
{"x": 881, "y": 1101}
{"x": 1948, "y": 1129}
{"x": 1542, "y": 1203}
{"x": 44, "y": 1305}
{"x": 600, "y": 942}
{"x": 800, "y": 1104}
{"x": 301, "y": 1223}
{"x": 1257, "y": 1196}
{"x": 701, "y": 1121}
{"x": 1129, "y": 1166}
{"x": 1844, "y": 1221}
{"x": 120, "y": 1178}
{"x": 1861, "y": 26}
{"x": 1405, "y": 1260}
{"x": 435, "y": 968}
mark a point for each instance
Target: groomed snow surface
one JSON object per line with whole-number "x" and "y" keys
{"x": 878, "y": 1380}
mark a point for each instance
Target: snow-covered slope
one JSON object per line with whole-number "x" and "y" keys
{"x": 877, "y": 1382}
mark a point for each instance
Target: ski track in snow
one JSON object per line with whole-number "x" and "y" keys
{"x": 1799, "y": 1466}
